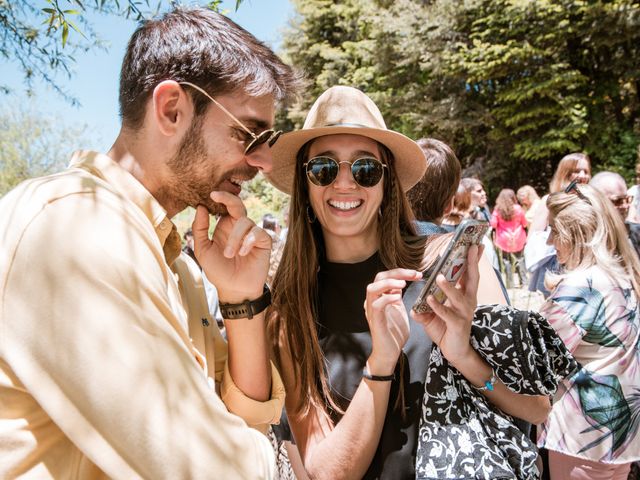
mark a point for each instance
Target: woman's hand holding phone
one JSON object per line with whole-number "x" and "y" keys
{"x": 449, "y": 324}
{"x": 451, "y": 262}
{"x": 387, "y": 318}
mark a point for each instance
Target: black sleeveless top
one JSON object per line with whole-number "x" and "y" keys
{"x": 346, "y": 342}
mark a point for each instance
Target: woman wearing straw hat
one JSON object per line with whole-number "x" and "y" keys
{"x": 353, "y": 392}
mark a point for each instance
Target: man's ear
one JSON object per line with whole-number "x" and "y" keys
{"x": 172, "y": 108}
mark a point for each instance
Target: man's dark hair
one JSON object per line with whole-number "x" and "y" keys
{"x": 200, "y": 46}
{"x": 430, "y": 197}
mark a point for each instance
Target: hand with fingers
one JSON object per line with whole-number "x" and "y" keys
{"x": 236, "y": 258}
{"x": 449, "y": 325}
{"x": 387, "y": 318}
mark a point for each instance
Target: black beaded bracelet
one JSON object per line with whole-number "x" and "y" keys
{"x": 377, "y": 378}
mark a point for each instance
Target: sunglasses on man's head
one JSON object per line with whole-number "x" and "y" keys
{"x": 323, "y": 171}
{"x": 268, "y": 136}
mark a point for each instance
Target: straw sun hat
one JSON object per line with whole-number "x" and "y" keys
{"x": 346, "y": 110}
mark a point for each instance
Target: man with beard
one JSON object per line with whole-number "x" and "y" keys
{"x": 110, "y": 364}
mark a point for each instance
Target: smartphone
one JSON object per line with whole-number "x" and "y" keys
{"x": 452, "y": 262}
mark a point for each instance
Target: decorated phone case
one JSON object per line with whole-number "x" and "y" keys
{"x": 452, "y": 262}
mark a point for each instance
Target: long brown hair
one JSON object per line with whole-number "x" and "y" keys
{"x": 505, "y": 202}
{"x": 430, "y": 197}
{"x": 292, "y": 316}
{"x": 461, "y": 206}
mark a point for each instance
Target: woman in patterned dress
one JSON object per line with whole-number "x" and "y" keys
{"x": 593, "y": 430}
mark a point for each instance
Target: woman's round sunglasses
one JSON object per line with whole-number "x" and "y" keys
{"x": 323, "y": 171}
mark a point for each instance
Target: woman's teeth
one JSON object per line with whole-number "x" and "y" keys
{"x": 345, "y": 205}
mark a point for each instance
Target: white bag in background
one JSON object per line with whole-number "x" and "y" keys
{"x": 536, "y": 250}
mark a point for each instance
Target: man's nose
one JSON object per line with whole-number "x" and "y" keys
{"x": 261, "y": 158}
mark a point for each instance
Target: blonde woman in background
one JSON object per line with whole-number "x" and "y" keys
{"x": 539, "y": 257}
{"x": 530, "y": 201}
{"x": 479, "y": 207}
{"x": 575, "y": 166}
{"x": 593, "y": 430}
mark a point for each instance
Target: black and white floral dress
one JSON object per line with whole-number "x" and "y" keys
{"x": 462, "y": 435}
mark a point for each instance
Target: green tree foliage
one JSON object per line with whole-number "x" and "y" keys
{"x": 398, "y": 52}
{"x": 325, "y": 43}
{"x": 44, "y": 39}
{"x": 512, "y": 85}
{"x": 31, "y": 145}
{"x": 556, "y": 76}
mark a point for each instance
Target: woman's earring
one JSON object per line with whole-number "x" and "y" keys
{"x": 311, "y": 215}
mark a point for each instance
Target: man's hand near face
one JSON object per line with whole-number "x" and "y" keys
{"x": 236, "y": 261}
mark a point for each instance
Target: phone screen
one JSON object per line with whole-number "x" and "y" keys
{"x": 452, "y": 263}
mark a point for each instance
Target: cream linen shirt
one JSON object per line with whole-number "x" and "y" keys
{"x": 109, "y": 357}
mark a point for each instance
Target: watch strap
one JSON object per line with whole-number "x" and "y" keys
{"x": 248, "y": 308}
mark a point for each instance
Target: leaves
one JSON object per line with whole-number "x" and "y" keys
{"x": 58, "y": 19}
{"x": 41, "y": 40}
{"x": 260, "y": 197}
{"x": 605, "y": 407}
{"x": 586, "y": 307}
{"x": 512, "y": 86}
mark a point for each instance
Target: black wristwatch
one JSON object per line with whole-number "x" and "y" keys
{"x": 248, "y": 308}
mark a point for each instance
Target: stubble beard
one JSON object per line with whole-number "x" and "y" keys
{"x": 193, "y": 176}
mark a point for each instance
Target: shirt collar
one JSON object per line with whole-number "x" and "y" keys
{"x": 103, "y": 166}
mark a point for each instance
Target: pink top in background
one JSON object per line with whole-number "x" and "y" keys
{"x": 510, "y": 234}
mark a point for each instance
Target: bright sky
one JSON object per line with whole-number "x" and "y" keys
{"x": 95, "y": 78}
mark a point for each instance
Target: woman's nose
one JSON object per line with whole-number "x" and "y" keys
{"x": 344, "y": 178}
